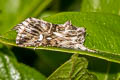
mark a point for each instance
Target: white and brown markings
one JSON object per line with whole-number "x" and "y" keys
{"x": 36, "y": 32}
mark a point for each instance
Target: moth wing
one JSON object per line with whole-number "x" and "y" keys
{"x": 28, "y": 33}
{"x": 31, "y": 32}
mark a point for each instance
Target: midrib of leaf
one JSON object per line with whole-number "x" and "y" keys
{"x": 62, "y": 50}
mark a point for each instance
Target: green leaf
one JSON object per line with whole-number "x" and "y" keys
{"x": 47, "y": 61}
{"x": 14, "y": 11}
{"x": 4, "y": 49}
{"x": 104, "y": 70}
{"x": 104, "y": 6}
{"x": 10, "y": 69}
{"x": 102, "y": 34}
{"x": 73, "y": 69}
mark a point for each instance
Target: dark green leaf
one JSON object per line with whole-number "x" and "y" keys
{"x": 4, "y": 49}
{"x": 10, "y": 69}
{"x": 104, "y": 70}
{"x": 73, "y": 69}
{"x": 47, "y": 61}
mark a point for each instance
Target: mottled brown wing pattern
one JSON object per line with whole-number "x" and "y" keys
{"x": 30, "y": 32}
{"x": 36, "y": 32}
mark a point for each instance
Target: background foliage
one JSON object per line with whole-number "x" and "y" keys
{"x": 100, "y": 18}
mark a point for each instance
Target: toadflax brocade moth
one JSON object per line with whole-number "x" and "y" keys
{"x": 36, "y": 32}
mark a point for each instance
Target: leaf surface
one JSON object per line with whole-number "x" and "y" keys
{"x": 10, "y": 69}
{"x": 104, "y": 70}
{"x": 73, "y": 69}
{"x": 102, "y": 34}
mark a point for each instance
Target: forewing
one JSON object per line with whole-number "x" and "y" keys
{"x": 30, "y": 31}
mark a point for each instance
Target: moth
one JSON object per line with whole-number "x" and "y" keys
{"x": 36, "y": 32}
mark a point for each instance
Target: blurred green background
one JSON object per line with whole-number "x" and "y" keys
{"x": 13, "y": 12}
